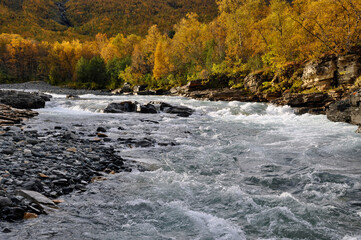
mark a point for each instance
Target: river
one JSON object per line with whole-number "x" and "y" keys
{"x": 235, "y": 171}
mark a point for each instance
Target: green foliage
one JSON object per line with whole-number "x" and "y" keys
{"x": 92, "y": 73}
{"x": 114, "y": 67}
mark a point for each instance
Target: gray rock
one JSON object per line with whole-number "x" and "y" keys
{"x": 37, "y": 198}
{"x": 21, "y": 100}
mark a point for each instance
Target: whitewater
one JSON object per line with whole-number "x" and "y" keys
{"x": 235, "y": 171}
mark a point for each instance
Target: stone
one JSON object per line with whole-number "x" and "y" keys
{"x": 37, "y": 198}
{"x": 321, "y": 73}
{"x": 5, "y": 202}
{"x": 101, "y": 129}
{"x": 10, "y": 116}
{"x": 102, "y": 135}
{"x": 57, "y": 201}
{"x": 254, "y": 81}
{"x": 72, "y": 97}
{"x": 348, "y": 69}
{"x": 148, "y": 108}
{"x": 72, "y": 149}
{"x": 29, "y": 215}
{"x": 126, "y": 106}
{"x": 21, "y": 100}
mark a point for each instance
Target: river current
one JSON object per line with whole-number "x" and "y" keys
{"x": 235, "y": 171}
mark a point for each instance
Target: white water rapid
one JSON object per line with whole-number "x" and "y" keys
{"x": 236, "y": 171}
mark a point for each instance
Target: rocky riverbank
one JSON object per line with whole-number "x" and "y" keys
{"x": 39, "y": 164}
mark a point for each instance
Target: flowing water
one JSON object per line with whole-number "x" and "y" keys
{"x": 237, "y": 171}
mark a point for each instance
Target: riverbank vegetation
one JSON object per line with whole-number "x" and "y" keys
{"x": 246, "y": 36}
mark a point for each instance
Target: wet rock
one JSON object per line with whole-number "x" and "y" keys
{"x": 347, "y": 110}
{"x": 127, "y": 106}
{"x": 72, "y": 97}
{"x": 101, "y": 129}
{"x": 148, "y": 108}
{"x": 45, "y": 97}
{"x": 180, "y": 111}
{"x": 151, "y": 107}
{"x": 21, "y": 100}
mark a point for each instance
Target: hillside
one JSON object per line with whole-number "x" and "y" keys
{"x": 44, "y": 19}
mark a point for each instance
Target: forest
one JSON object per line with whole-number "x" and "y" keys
{"x": 245, "y": 36}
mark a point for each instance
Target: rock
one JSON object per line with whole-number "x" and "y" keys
{"x": 8, "y": 151}
{"x": 303, "y": 100}
{"x": 127, "y": 88}
{"x": 6, "y": 230}
{"x": 98, "y": 179}
{"x": 149, "y": 108}
{"x": 21, "y": 100}
{"x": 12, "y": 213}
{"x": 102, "y": 135}
{"x": 45, "y": 97}
{"x": 139, "y": 88}
{"x": 127, "y": 106}
{"x": 10, "y": 116}
{"x": 255, "y": 80}
{"x": 5, "y": 202}
{"x": 34, "y": 185}
{"x": 180, "y": 111}
{"x": 348, "y": 69}
{"x": 101, "y": 129}
{"x": 28, "y": 215}
{"x": 72, "y": 149}
{"x": 320, "y": 73}
{"x": 37, "y": 198}
{"x": 347, "y": 110}
{"x": 57, "y": 201}
{"x": 72, "y": 97}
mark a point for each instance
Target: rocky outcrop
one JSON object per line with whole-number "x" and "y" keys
{"x": 225, "y": 94}
{"x": 151, "y": 108}
{"x": 348, "y": 69}
{"x": 347, "y": 110}
{"x": 10, "y": 116}
{"x": 320, "y": 74}
{"x": 314, "y": 103}
{"x": 22, "y": 100}
{"x": 255, "y": 80}
{"x": 332, "y": 71}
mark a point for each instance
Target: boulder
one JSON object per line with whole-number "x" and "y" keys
{"x": 148, "y": 108}
{"x": 126, "y": 106}
{"x": 347, "y": 110}
{"x": 180, "y": 111}
{"x": 151, "y": 107}
{"x": 21, "y": 100}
